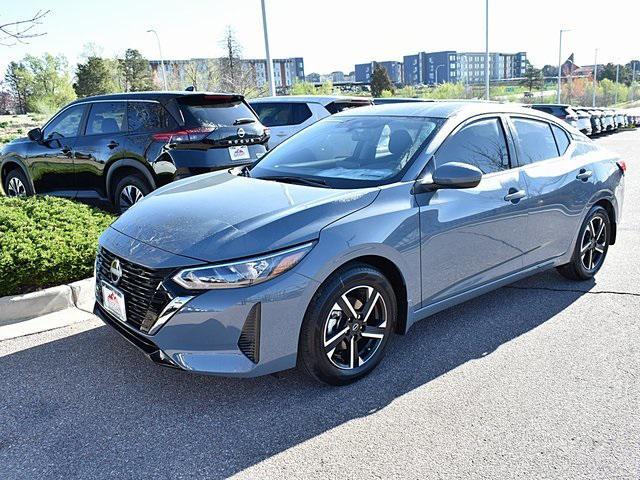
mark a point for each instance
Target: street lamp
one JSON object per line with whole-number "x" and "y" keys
{"x": 270, "y": 79}
{"x": 486, "y": 51}
{"x": 437, "y": 72}
{"x": 164, "y": 74}
{"x": 560, "y": 64}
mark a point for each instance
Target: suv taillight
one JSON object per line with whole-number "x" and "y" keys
{"x": 178, "y": 136}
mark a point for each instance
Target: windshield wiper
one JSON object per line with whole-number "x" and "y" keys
{"x": 244, "y": 121}
{"x": 298, "y": 181}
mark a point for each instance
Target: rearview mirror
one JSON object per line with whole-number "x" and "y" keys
{"x": 35, "y": 135}
{"x": 451, "y": 175}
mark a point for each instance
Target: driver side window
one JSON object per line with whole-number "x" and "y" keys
{"x": 481, "y": 144}
{"x": 66, "y": 124}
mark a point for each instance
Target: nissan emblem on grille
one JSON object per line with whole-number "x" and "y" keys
{"x": 241, "y": 132}
{"x": 115, "y": 271}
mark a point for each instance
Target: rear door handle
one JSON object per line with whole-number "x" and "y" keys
{"x": 112, "y": 144}
{"x": 66, "y": 151}
{"x": 514, "y": 195}
{"x": 584, "y": 175}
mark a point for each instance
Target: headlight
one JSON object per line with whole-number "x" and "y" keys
{"x": 242, "y": 273}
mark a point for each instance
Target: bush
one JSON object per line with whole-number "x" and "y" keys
{"x": 46, "y": 241}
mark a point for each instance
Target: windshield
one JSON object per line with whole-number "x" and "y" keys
{"x": 347, "y": 152}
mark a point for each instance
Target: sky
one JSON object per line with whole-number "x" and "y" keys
{"x": 331, "y": 34}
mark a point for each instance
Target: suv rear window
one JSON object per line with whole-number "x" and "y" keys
{"x": 213, "y": 110}
{"x": 278, "y": 114}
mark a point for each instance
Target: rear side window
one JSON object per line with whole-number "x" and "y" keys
{"x": 562, "y": 141}
{"x": 535, "y": 139}
{"x": 279, "y": 114}
{"x": 214, "y": 111}
{"x": 106, "y": 117}
{"x": 148, "y": 117}
{"x": 481, "y": 144}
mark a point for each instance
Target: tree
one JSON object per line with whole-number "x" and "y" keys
{"x": 19, "y": 31}
{"x": 532, "y": 78}
{"x": 235, "y": 74}
{"x": 550, "y": 71}
{"x": 51, "y": 83}
{"x": 134, "y": 72}
{"x": 202, "y": 74}
{"x": 20, "y": 83}
{"x": 380, "y": 80}
{"x": 94, "y": 77}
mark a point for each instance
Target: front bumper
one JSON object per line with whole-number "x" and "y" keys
{"x": 212, "y": 333}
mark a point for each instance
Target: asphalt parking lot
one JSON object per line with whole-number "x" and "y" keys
{"x": 536, "y": 380}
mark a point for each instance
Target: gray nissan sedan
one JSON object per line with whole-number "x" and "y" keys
{"x": 351, "y": 231}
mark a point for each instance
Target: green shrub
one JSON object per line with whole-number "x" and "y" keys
{"x": 46, "y": 241}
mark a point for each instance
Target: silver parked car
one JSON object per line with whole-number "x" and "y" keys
{"x": 286, "y": 115}
{"x": 350, "y": 232}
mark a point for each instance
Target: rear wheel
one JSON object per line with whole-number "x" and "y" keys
{"x": 16, "y": 184}
{"x": 129, "y": 191}
{"x": 347, "y": 325}
{"x": 591, "y": 247}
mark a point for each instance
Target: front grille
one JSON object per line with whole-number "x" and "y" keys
{"x": 144, "y": 296}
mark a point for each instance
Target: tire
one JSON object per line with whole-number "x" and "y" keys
{"x": 129, "y": 190}
{"x": 17, "y": 185}
{"x": 589, "y": 254}
{"x": 327, "y": 356}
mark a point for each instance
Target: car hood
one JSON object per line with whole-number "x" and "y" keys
{"x": 222, "y": 216}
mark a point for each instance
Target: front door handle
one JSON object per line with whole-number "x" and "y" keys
{"x": 66, "y": 151}
{"x": 514, "y": 195}
{"x": 584, "y": 174}
{"x": 112, "y": 144}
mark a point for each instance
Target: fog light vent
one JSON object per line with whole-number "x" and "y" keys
{"x": 249, "y": 341}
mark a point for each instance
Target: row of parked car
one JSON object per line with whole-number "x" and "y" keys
{"x": 116, "y": 149}
{"x": 591, "y": 121}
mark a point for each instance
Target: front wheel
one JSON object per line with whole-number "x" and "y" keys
{"x": 591, "y": 247}
{"x": 347, "y": 325}
{"x": 17, "y": 185}
{"x": 129, "y": 191}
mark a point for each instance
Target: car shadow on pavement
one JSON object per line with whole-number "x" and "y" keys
{"x": 90, "y": 405}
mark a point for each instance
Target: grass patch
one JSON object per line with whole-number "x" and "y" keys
{"x": 46, "y": 241}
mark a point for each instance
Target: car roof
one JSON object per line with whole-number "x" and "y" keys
{"x": 154, "y": 95}
{"x": 321, "y": 99}
{"x": 550, "y": 105}
{"x": 443, "y": 109}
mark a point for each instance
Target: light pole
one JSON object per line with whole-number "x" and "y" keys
{"x": 560, "y": 65}
{"x": 595, "y": 77}
{"x": 486, "y": 51}
{"x": 270, "y": 79}
{"x": 164, "y": 74}
{"x": 442, "y": 65}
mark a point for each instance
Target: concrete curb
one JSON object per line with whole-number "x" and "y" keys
{"x": 18, "y": 308}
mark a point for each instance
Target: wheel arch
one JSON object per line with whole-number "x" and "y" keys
{"x": 611, "y": 211}
{"x": 126, "y": 166}
{"x": 13, "y": 163}
{"x": 393, "y": 273}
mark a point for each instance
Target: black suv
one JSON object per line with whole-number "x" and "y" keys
{"x": 118, "y": 148}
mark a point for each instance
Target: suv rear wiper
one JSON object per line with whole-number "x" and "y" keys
{"x": 298, "y": 180}
{"x": 244, "y": 121}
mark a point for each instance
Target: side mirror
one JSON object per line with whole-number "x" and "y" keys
{"x": 35, "y": 135}
{"x": 451, "y": 175}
